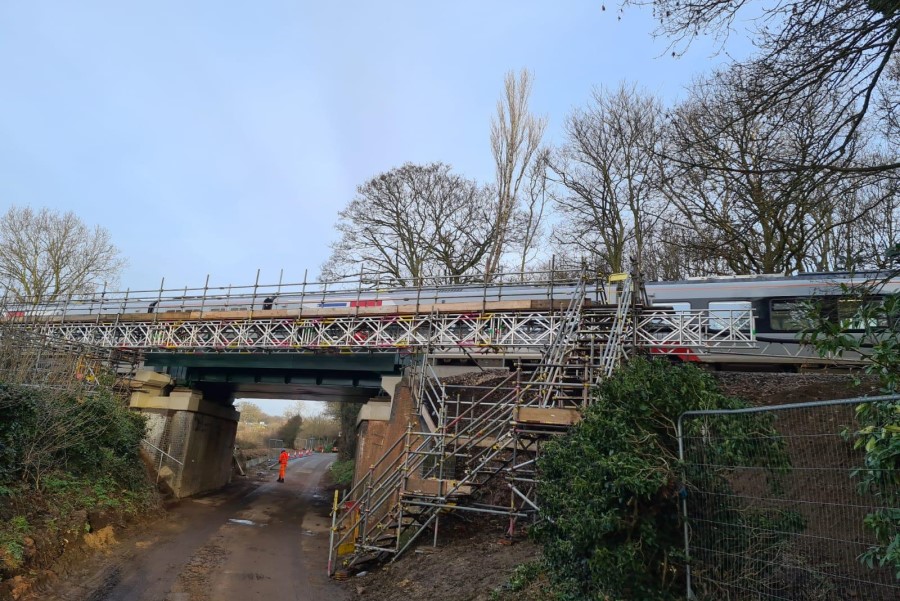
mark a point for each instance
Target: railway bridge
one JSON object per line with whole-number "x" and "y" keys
{"x": 200, "y": 349}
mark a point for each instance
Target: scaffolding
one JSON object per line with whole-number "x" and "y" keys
{"x": 476, "y": 438}
{"x": 535, "y": 316}
{"x": 36, "y": 359}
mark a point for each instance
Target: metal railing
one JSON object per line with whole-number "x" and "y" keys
{"x": 163, "y": 456}
{"x": 360, "y": 291}
{"x": 555, "y": 358}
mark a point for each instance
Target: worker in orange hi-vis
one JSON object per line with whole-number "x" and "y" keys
{"x": 283, "y": 460}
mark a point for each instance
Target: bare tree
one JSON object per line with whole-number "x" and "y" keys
{"x": 46, "y": 255}
{"x": 515, "y": 138}
{"x": 251, "y": 413}
{"x": 889, "y": 105}
{"x": 809, "y": 49}
{"x": 609, "y": 169}
{"x": 868, "y": 222}
{"x": 320, "y": 426}
{"x": 673, "y": 255}
{"x": 528, "y": 224}
{"x": 732, "y": 197}
{"x": 415, "y": 221}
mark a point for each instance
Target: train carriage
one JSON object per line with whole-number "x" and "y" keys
{"x": 777, "y": 303}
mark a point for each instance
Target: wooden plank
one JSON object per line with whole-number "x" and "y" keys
{"x": 434, "y": 487}
{"x": 549, "y": 416}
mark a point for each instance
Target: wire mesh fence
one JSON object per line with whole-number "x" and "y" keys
{"x": 774, "y": 504}
{"x": 166, "y": 440}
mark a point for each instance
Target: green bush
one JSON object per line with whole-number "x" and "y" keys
{"x": 527, "y": 581}
{"x": 12, "y": 548}
{"x": 875, "y": 336}
{"x": 62, "y": 454}
{"x": 43, "y": 433}
{"x": 342, "y": 471}
{"x": 609, "y": 490}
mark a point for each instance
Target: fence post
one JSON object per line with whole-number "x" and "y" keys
{"x": 684, "y": 515}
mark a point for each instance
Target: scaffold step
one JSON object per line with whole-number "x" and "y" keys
{"x": 432, "y": 487}
{"x": 549, "y": 416}
{"x": 486, "y": 442}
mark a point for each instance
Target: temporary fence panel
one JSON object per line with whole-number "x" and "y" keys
{"x": 773, "y": 504}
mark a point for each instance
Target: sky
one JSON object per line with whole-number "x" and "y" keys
{"x": 218, "y": 138}
{"x": 221, "y": 138}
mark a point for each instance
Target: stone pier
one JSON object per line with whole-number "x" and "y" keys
{"x": 189, "y": 438}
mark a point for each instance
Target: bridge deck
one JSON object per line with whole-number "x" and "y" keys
{"x": 309, "y": 312}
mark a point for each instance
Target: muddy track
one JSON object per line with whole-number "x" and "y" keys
{"x": 256, "y": 539}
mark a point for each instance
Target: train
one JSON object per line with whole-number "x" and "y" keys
{"x": 777, "y": 303}
{"x": 774, "y": 299}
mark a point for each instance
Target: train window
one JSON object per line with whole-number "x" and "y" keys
{"x": 786, "y": 315}
{"x": 734, "y": 315}
{"x": 849, "y": 314}
{"x": 677, "y": 308}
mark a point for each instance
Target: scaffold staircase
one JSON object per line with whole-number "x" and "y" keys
{"x": 591, "y": 345}
{"x": 496, "y": 437}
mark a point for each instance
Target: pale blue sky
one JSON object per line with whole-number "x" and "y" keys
{"x": 221, "y": 137}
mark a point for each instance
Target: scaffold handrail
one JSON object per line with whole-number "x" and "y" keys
{"x": 614, "y": 347}
{"x": 360, "y": 290}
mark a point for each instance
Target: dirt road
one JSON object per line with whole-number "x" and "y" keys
{"x": 257, "y": 539}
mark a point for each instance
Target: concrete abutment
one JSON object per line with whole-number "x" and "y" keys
{"x": 189, "y": 438}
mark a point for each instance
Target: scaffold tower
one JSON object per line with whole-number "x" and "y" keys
{"x": 469, "y": 439}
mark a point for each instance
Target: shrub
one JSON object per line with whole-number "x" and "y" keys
{"x": 12, "y": 548}
{"x": 61, "y": 455}
{"x": 43, "y": 432}
{"x": 342, "y": 471}
{"x": 871, "y": 333}
{"x": 609, "y": 490}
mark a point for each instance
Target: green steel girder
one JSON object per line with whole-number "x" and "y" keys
{"x": 381, "y": 363}
{"x": 291, "y": 369}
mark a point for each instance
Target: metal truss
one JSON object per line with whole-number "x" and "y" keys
{"x": 525, "y": 332}
{"x": 695, "y": 329}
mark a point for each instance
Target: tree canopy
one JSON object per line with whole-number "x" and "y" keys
{"x": 412, "y": 222}
{"x": 45, "y": 255}
{"x": 807, "y": 50}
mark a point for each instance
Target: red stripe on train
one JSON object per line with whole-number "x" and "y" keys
{"x": 683, "y": 353}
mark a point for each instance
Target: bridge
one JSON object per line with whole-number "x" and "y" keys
{"x": 510, "y": 319}
{"x": 202, "y": 348}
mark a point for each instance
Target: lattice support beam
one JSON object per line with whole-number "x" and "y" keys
{"x": 488, "y": 332}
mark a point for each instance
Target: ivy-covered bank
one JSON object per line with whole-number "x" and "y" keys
{"x": 68, "y": 465}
